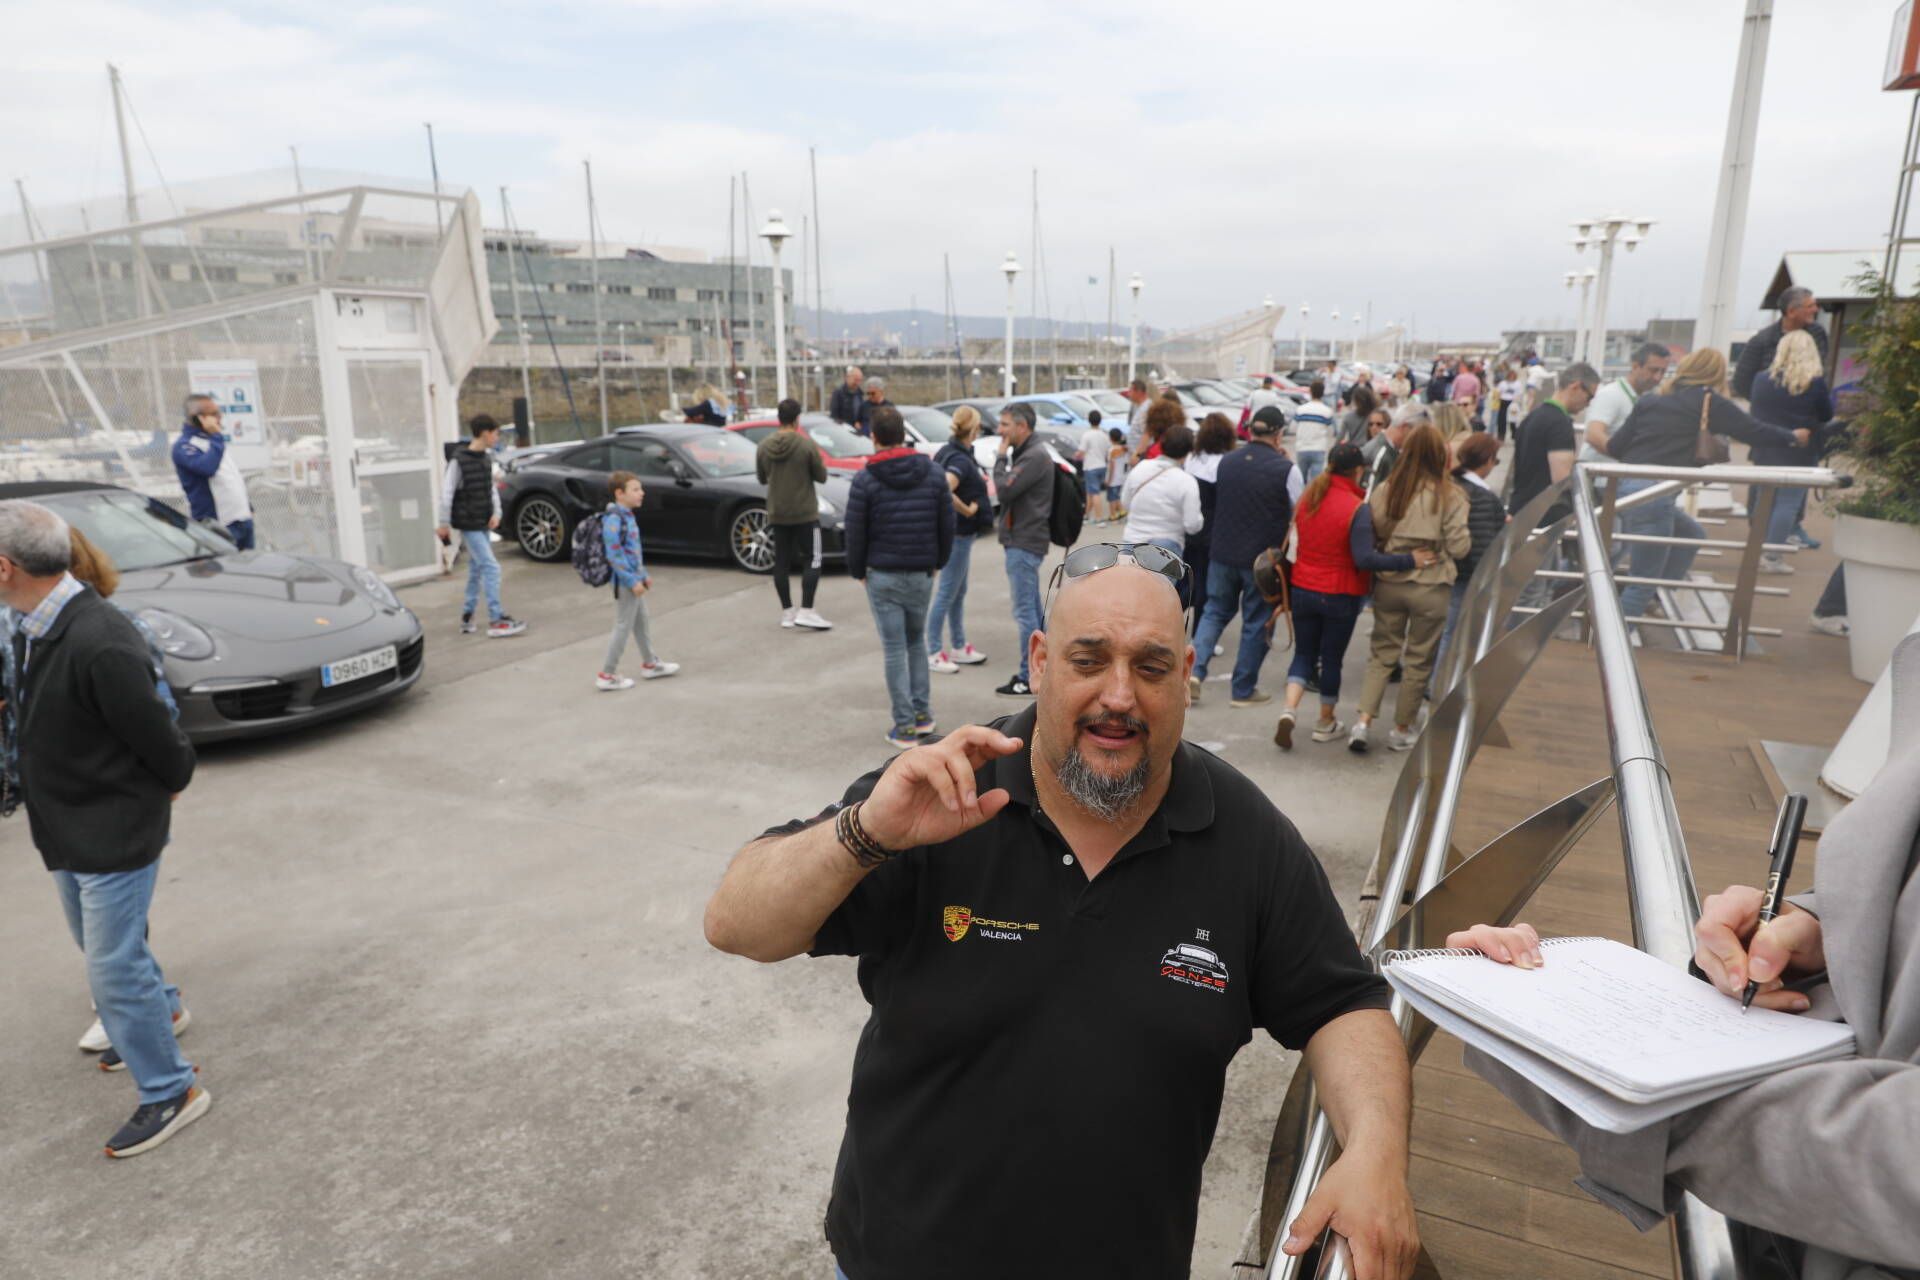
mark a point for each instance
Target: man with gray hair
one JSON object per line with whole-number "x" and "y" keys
{"x": 875, "y": 399}
{"x": 100, "y": 762}
{"x": 1383, "y": 450}
{"x": 845, "y": 404}
{"x": 1068, "y": 922}
{"x": 209, "y": 475}
{"x": 1799, "y": 309}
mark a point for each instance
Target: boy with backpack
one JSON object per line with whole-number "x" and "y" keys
{"x": 615, "y": 534}
{"x": 470, "y": 502}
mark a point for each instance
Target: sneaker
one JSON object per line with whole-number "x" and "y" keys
{"x": 923, "y": 725}
{"x": 787, "y": 616}
{"x": 1254, "y": 699}
{"x": 657, "y": 670}
{"x": 1327, "y": 730}
{"x": 608, "y": 684}
{"x": 155, "y": 1122}
{"x": 1835, "y": 626}
{"x": 467, "y": 626}
{"x": 95, "y": 1040}
{"x": 968, "y": 657}
{"x": 901, "y": 739}
{"x": 1015, "y": 687}
{"x": 1357, "y": 738}
{"x": 811, "y": 621}
{"x": 503, "y": 626}
{"x": 942, "y": 664}
{"x": 1283, "y": 731}
{"x": 1398, "y": 741}
{"x": 110, "y": 1059}
{"x": 1774, "y": 564}
{"x": 1193, "y": 690}
{"x": 1806, "y": 541}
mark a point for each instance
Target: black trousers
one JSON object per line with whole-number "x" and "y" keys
{"x": 796, "y": 543}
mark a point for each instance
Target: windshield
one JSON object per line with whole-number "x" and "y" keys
{"x": 135, "y": 532}
{"x": 720, "y": 453}
{"x": 1209, "y": 395}
{"x": 1186, "y": 398}
{"x": 936, "y": 426}
{"x": 1080, "y": 405}
{"x": 836, "y": 439}
{"x": 1112, "y": 402}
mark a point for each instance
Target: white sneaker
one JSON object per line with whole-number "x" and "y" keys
{"x": 942, "y": 664}
{"x": 1283, "y": 730}
{"x": 1327, "y": 730}
{"x": 607, "y": 684}
{"x": 811, "y": 621}
{"x": 1398, "y": 741}
{"x": 787, "y": 616}
{"x": 1834, "y": 626}
{"x": 1357, "y": 738}
{"x": 968, "y": 657}
{"x": 658, "y": 670}
{"x": 95, "y": 1040}
{"x": 1774, "y": 564}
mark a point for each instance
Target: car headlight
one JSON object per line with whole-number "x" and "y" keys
{"x": 827, "y": 508}
{"x": 177, "y": 637}
{"x": 369, "y": 581}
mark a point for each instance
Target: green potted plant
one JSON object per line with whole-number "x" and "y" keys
{"x": 1877, "y": 533}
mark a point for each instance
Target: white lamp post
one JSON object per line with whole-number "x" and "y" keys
{"x": 776, "y": 233}
{"x": 1333, "y": 340}
{"x": 1012, "y": 269}
{"x": 1584, "y": 278}
{"x": 1605, "y": 232}
{"x": 1304, "y": 311}
{"x": 1133, "y": 330}
{"x": 1356, "y": 337}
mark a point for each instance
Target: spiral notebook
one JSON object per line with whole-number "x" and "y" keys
{"x": 1619, "y": 1037}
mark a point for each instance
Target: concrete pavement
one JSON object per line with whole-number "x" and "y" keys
{"x": 449, "y": 988}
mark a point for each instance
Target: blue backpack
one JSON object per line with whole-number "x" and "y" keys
{"x": 590, "y": 552}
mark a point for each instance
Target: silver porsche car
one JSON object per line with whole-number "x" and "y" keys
{"x": 255, "y": 642}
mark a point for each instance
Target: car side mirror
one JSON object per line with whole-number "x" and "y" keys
{"x": 1064, "y": 419}
{"x": 681, "y": 476}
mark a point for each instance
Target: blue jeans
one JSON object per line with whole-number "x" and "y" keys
{"x": 1312, "y": 463}
{"x": 1663, "y": 518}
{"x": 482, "y": 571}
{"x": 1789, "y": 505}
{"x": 1322, "y": 626}
{"x": 1023, "y": 580}
{"x": 1229, "y": 589}
{"x": 1453, "y": 620}
{"x": 899, "y": 604}
{"x": 241, "y": 531}
{"x": 950, "y": 597}
{"x": 107, "y": 914}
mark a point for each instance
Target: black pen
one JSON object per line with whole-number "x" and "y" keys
{"x": 1786, "y": 838}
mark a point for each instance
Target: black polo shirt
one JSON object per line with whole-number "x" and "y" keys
{"x": 1037, "y": 1087}
{"x": 1548, "y": 429}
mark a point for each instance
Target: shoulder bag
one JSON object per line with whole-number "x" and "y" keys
{"x": 1709, "y": 450}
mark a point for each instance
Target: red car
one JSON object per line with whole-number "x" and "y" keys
{"x": 840, "y": 448}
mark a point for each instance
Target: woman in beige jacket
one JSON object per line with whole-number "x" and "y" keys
{"x": 1418, "y": 508}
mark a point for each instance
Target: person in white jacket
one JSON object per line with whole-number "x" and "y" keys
{"x": 1161, "y": 499}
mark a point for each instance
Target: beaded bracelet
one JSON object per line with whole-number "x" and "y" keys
{"x": 854, "y": 839}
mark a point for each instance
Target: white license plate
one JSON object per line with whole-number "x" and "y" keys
{"x": 360, "y": 666}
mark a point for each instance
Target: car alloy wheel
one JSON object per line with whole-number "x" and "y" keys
{"x": 750, "y": 540}
{"x": 541, "y": 528}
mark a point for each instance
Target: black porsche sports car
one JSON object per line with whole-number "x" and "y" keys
{"x": 702, "y": 495}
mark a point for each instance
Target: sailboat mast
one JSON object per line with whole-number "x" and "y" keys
{"x": 593, "y": 275}
{"x": 519, "y": 321}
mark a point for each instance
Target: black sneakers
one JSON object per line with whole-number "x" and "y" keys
{"x": 466, "y": 624}
{"x": 1015, "y": 687}
{"x": 155, "y": 1122}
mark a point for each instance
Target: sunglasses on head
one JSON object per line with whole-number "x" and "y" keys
{"x": 1104, "y": 555}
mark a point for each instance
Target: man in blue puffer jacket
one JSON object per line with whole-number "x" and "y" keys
{"x": 899, "y": 532}
{"x": 208, "y": 474}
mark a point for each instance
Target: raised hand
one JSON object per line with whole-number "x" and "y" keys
{"x": 928, "y": 795}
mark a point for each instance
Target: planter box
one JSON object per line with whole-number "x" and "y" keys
{"x": 1883, "y": 588}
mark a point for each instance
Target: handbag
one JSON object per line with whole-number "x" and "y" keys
{"x": 1270, "y": 579}
{"x": 1709, "y": 450}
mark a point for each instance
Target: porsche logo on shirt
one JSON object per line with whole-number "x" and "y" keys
{"x": 956, "y": 921}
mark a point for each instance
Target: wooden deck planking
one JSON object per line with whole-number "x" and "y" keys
{"x": 1494, "y": 1189}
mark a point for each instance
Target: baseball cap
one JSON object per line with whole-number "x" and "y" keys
{"x": 1268, "y": 421}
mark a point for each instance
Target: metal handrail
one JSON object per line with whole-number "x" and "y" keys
{"x": 1662, "y": 899}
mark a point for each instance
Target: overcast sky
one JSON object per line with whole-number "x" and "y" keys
{"x": 1347, "y": 155}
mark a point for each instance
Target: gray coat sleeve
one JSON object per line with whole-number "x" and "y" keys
{"x": 1821, "y": 1153}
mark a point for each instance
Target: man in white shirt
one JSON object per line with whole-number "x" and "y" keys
{"x": 1613, "y": 402}
{"x": 1313, "y": 431}
{"x": 1092, "y": 457}
{"x": 1263, "y": 396}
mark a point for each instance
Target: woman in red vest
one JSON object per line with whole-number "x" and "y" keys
{"x": 1335, "y": 559}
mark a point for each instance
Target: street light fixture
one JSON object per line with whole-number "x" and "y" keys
{"x": 1134, "y": 286}
{"x": 777, "y": 233}
{"x": 1012, "y": 269}
{"x": 1604, "y": 233}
